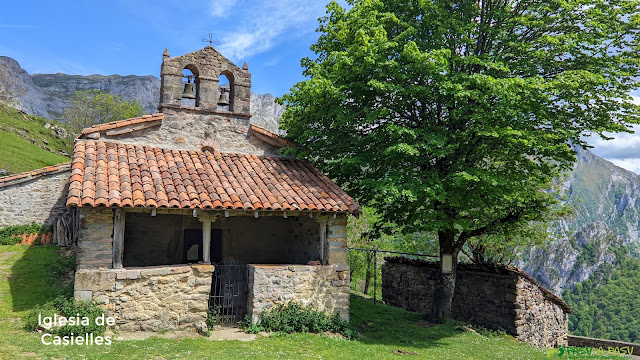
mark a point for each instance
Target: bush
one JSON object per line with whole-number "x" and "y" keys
{"x": 9, "y": 234}
{"x": 292, "y": 317}
{"x": 67, "y": 307}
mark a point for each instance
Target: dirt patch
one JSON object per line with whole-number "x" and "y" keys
{"x": 7, "y": 254}
{"x": 404, "y": 352}
{"x": 231, "y": 334}
{"x": 425, "y": 324}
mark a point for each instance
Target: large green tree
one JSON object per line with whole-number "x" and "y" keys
{"x": 92, "y": 107}
{"x": 456, "y": 116}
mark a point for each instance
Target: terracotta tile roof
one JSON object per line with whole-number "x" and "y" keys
{"x": 125, "y": 126}
{"x": 271, "y": 137}
{"x": 29, "y": 175}
{"x": 119, "y": 175}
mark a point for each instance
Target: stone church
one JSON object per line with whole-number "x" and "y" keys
{"x": 192, "y": 210}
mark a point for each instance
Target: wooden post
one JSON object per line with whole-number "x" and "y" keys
{"x": 206, "y": 240}
{"x": 375, "y": 275}
{"x": 118, "y": 238}
{"x": 323, "y": 242}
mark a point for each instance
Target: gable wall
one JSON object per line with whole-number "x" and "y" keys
{"x": 39, "y": 200}
{"x": 184, "y": 129}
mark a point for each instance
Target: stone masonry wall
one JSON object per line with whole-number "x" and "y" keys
{"x": 191, "y": 130}
{"x": 325, "y": 288}
{"x": 95, "y": 238}
{"x": 502, "y": 301}
{"x": 39, "y": 200}
{"x": 151, "y": 298}
{"x": 337, "y": 240}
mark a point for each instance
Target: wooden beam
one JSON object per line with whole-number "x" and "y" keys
{"x": 118, "y": 238}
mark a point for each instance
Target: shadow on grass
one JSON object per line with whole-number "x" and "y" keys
{"x": 385, "y": 325}
{"x": 31, "y": 281}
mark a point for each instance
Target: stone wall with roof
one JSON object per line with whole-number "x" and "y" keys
{"x": 499, "y": 298}
{"x": 36, "y": 196}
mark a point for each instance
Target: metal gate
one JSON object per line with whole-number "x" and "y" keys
{"x": 229, "y": 288}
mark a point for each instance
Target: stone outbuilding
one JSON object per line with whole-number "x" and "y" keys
{"x": 193, "y": 211}
{"x": 499, "y": 297}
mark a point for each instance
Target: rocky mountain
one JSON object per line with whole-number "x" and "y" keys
{"x": 605, "y": 220}
{"x": 47, "y": 95}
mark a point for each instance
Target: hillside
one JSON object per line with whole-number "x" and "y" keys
{"x": 607, "y": 306}
{"x": 605, "y": 218}
{"x": 29, "y": 142}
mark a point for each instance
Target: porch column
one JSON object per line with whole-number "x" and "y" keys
{"x": 322, "y": 221}
{"x": 118, "y": 238}
{"x": 206, "y": 236}
{"x": 337, "y": 238}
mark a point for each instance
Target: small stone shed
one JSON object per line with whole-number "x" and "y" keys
{"x": 194, "y": 206}
{"x": 498, "y": 297}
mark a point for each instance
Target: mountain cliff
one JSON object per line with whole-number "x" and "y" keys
{"x": 604, "y": 221}
{"x": 47, "y": 95}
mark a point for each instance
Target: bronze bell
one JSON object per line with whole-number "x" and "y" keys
{"x": 223, "y": 101}
{"x": 188, "y": 91}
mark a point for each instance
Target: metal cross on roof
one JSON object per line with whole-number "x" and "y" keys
{"x": 210, "y": 40}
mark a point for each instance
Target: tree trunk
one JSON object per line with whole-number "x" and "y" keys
{"x": 446, "y": 282}
{"x": 367, "y": 277}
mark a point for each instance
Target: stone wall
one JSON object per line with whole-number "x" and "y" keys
{"x": 95, "y": 238}
{"x": 337, "y": 240}
{"x": 325, "y": 288}
{"x": 191, "y": 129}
{"x": 40, "y": 199}
{"x": 151, "y": 298}
{"x": 497, "y": 298}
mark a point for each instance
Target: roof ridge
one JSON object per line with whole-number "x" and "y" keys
{"x": 33, "y": 174}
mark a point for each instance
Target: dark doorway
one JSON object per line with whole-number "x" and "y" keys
{"x": 192, "y": 250}
{"x": 229, "y": 291}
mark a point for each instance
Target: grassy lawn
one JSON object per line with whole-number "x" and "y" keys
{"x": 385, "y": 330}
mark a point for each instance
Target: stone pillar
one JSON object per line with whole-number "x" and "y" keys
{"x": 322, "y": 221}
{"x": 95, "y": 238}
{"x": 206, "y": 236}
{"x": 337, "y": 240}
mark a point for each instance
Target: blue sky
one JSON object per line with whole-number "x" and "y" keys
{"x": 128, "y": 38}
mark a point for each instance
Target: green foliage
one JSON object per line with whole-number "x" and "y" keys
{"x": 92, "y": 107}
{"x": 458, "y": 122}
{"x": 67, "y": 307}
{"x": 292, "y": 317}
{"x": 607, "y": 305}
{"x": 212, "y": 316}
{"x": 9, "y": 234}
{"x": 21, "y": 138}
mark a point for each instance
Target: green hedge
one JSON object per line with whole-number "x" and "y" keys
{"x": 292, "y": 317}
{"x": 9, "y": 234}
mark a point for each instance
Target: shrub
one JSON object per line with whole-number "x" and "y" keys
{"x": 292, "y": 317}
{"x": 67, "y": 307}
{"x": 9, "y": 234}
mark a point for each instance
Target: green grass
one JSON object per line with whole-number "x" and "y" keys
{"x": 24, "y": 284}
{"x": 17, "y": 153}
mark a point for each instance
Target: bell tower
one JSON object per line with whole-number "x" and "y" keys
{"x": 205, "y": 68}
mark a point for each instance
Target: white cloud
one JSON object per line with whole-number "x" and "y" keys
{"x": 222, "y": 8}
{"x": 623, "y": 150}
{"x": 266, "y": 23}
{"x": 632, "y": 164}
